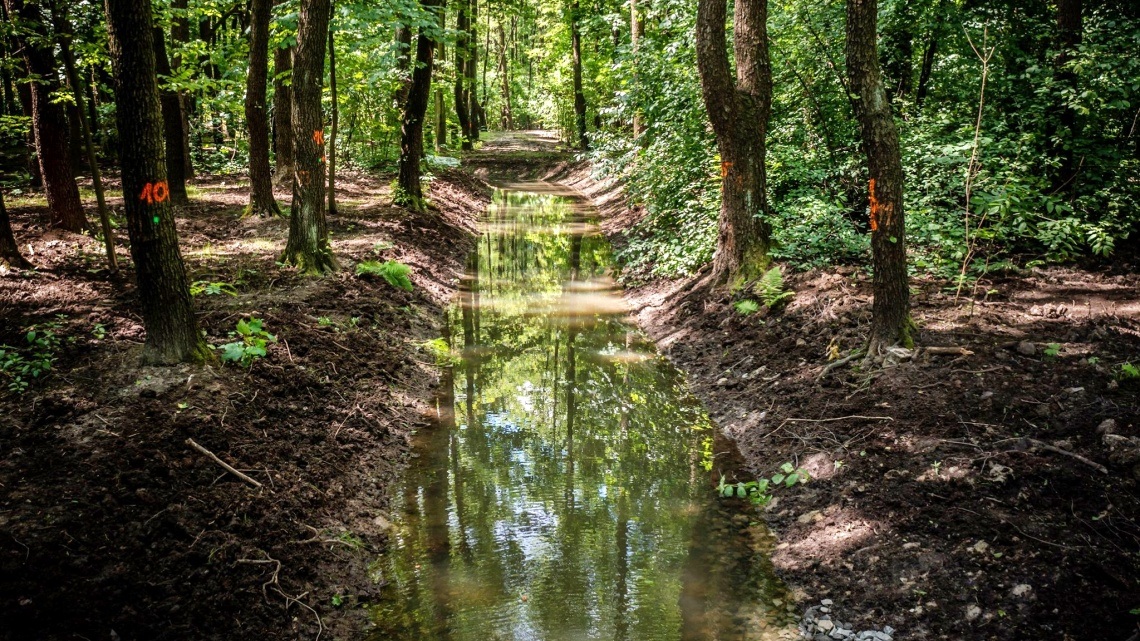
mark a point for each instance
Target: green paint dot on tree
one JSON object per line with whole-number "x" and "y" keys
{"x": 156, "y": 220}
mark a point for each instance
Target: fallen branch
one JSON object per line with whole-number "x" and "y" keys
{"x": 837, "y": 418}
{"x": 837, "y": 364}
{"x": 947, "y": 351}
{"x": 226, "y": 466}
{"x": 1041, "y": 445}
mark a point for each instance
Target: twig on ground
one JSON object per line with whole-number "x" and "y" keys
{"x": 1041, "y": 445}
{"x": 947, "y": 351}
{"x": 226, "y": 466}
{"x": 839, "y": 363}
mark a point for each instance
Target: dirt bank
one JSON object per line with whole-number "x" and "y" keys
{"x": 988, "y": 492}
{"x": 112, "y": 526}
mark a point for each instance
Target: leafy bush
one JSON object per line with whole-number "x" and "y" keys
{"x": 396, "y": 274}
{"x": 199, "y": 287}
{"x": 760, "y": 491}
{"x": 770, "y": 289}
{"x": 251, "y": 344}
{"x": 33, "y": 361}
{"x": 746, "y": 307}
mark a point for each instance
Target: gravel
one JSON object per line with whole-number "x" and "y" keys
{"x": 819, "y": 623}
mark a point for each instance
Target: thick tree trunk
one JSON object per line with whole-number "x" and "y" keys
{"x": 403, "y": 65}
{"x": 48, "y": 119}
{"x": 171, "y": 125}
{"x": 283, "y": 114}
{"x": 739, "y": 113}
{"x": 171, "y": 329}
{"x": 1065, "y": 127}
{"x": 179, "y": 34}
{"x": 261, "y": 201}
{"x": 9, "y": 251}
{"x": 308, "y": 247}
{"x": 579, "y": 95}
{"x": 890, "y": 322}
{"x": 412, "y": 134}
{"x": 462, "y": 88}
{"x": 331, "y": 150}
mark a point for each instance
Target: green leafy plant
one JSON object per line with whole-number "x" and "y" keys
{"x": 1052, "y": 350}
{"x": 251, "y": 345}
{"x": 746, "y": 307}
{"x": 771, "y": 289}
{"x": 1127, "y": 372}
{"x": 396, "y": 274}
{"x": 759, "y": 492}
{"x": 35, "y": 359}
{"x": 441, "y": 351}
{"x": 199, "y": 287}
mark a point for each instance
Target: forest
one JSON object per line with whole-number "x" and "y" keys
{"x": 566, "y": 319}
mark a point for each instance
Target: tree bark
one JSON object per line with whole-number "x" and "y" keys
{"x": 171, "y": 329}
{"x": 927, "y": 69}
{"x": 505, "y": 117}
{"x": 462, "y": 87}
{"x": 261, "y": 201}
{"x": 283, "y": 113}
{"x": 403, "y": 64}
{"x": 890, "y": 323}
{"x": 739, "y": 112}
{"x": 31, "y": 159}
{"x": 48, "y": 119}
{"x": 171, "y": 125}
{"x": 331, "y": 151}
{"x": 412, "y": 133}
{"x": 179, "y": 34}
{"x": 579, "y": 95}
{"x": 308, "y": 247}
{"x": 1065, "y": 127}
{"x": 473, "y": 109}
{"x": 635, "y": 39}
{"x": 9, "y": 251}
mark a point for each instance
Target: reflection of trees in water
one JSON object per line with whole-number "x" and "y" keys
{"x": 570, "y": 478}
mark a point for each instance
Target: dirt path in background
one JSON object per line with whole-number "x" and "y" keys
{"x": 986, "y": 494}
{"x": 111, "y": 526}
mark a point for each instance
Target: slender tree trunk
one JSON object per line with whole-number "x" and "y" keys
{"x": 261, "y": 201}
{"x": 473, "y": 108}
{"x": 31, "y": 159}
{"x": 507, "y": 120}
{"x": 927, "y": 69}
{"x": 635, "y": 40}
{"x": 48, "y": 119}
{"x": 739, "y": 112}
{"x": 890, "y": 322}
{"x": 9, "y": 251}
{"x": 440, "y": 115}
{"x": 462, "y": 88}
{"x": 179, "y": 34}
{"x": 168, "y": 315}
{"x": 64, "y": 34}
{"x": 412, "y": 133}
{"x": 1065, "y": 127}
{"x": 171, "y": 125}
{"x": 579, "y": 95}
{"x": 331, "y": 151}
{"x": 308, "y": 247}
{"x": 403, "y": 65}
{"x": 283, "y": 113}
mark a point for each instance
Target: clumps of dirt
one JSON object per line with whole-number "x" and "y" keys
{"x": 112, "y": 526}
{"x": 961, "y": 493}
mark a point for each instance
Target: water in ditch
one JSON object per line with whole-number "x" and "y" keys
{"x": 567, "y": 491}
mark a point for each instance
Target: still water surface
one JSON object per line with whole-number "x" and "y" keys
{"x": 566, "y": 492}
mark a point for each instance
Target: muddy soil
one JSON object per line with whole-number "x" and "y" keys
{"x": 989, "y": 491}
{"x": 113, "y": 527}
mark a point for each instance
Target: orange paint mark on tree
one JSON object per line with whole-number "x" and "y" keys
{"x": 303, "y": 177}
{"x": 319, "y": 137}
{"x": 155, "y": 192}
{"x": 875, "y": 208}
{"x": 724, "y": 169}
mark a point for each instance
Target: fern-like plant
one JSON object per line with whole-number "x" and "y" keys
{"x": 395, "y": 273}
{"x": 770, "y": 288}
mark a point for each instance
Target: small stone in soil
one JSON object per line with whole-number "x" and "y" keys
{"x": 1025, "y": 348}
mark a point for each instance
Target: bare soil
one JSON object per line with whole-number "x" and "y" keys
{"x": 985, "y": 494}
{"x": 112, "y": 526}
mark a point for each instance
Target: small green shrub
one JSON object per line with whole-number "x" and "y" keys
{"x": 1127, "y": 372}
{"x": 770, "y": 289}
{"x": 33, "y": 361}
{"x": 395, "y": 273}
{"x": 1052, "y": 350}
{"x": 439, "y": 349}
{"x": 746, "y": 307}
{"x": 251, "y": 344}
{"x": 760, "y": 490}
{"x": 199, "y": 287}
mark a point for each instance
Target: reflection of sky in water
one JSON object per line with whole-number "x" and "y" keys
{"x": 567, "y": 495}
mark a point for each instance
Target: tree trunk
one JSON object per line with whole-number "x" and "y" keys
{"x": 171, "y": 329}
{"x": 283, "y": 113}
{"x": 48, "y": 119}
{"x": 926, "y": 71}
{"x": 739, "y": 114}
{"x": 473, "y": 109}
{"x": 505, "y": 117}
{"x": 261, "y": 201}
{"x": 308, "y": 247}
{"x": 462, "y": 88}
{"x": 403, "y": 64}
{"x": 412, "y": 134}
{"x": 171, "y": 125}
{"x": 331, "y": 151}
{"x": 898, "y": 52}
{"x": 635, "y": 39}
{"x": 890, "y": 322}
{"x": 31, "y": 160}
{"x": 179, "y": 34}
{"x": 579, "y": 96}
{"x": 64, "y": 34}
{"x": 9, "y": 251}
{"x": 440, "y": 122}
{"x": 1065, "y": 127}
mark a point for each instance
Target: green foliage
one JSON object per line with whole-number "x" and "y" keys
{"x": 746, "y": 307}
{"x": 770, "y": 289}
{"x": 1127, "y": 372}
{"x": 32, "y": 361}
{"x": 441, "y": 351}
{"x": 199, "y": 287}
{"x": 396, "y": 274}
{"x": 1052, "y": 350}
{"x": 251, "y": 345}
{"x": 759, "y": 492}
